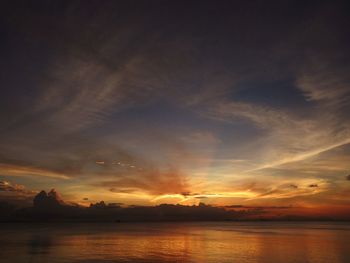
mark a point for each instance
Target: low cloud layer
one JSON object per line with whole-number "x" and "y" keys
{"x": 15, "y": 193}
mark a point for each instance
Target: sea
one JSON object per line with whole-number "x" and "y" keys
{"x": 240, "y": 242}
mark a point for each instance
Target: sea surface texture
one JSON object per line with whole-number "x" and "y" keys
{"x": 239, "y": 242}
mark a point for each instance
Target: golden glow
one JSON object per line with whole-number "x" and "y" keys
{"x": 19, "y": 170}
{"x": 181, "y": 242}
{"x": 301, "y": 157}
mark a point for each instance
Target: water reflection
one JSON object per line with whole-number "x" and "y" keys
{"x": 192, "y": 242}
{"x": 39, "y": 246}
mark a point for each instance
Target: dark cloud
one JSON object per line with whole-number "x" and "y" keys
{"x": 235, "y": 206}
{"x": 15, "y": 193}
{"x": 20, "y": 189}
{"x": 348, "y": 177}
{"x": 49, "y": 200}
{"x": 201, "y": 197}
{"x": 48, "y": 208}
{"x": 313, "y": 185}
{"x": 259, "y": 207}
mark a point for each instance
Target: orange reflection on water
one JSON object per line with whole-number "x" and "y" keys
{"x": 190, "y": 242}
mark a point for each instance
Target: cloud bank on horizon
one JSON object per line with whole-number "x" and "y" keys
{"x": 148, "y": 102}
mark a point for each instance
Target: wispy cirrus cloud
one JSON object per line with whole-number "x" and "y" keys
{"x": 22, "y": 170}
{"x": 285, "y": 137}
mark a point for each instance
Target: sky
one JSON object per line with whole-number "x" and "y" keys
{"x": 179, "y": 102}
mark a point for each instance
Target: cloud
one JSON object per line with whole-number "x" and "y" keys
{"x": 49, "y": 200}
{"x": 259, "y": 207}
{"x": 153, "y": 182}
{"x": 325, "y": 83}
{"x": 8, "y": 187}
{"x": 201, "y": 197}
{"x": 21, "y": 170}
{"x": 348, "y": 177}
{"x": 15, "y": 193}
{"x": 66, "y": 157}
{"x": 289, "y": 191}
{"x": 86, "y": 92}
{"x": 272, "y": 188}
{"x": 285, "y": 136}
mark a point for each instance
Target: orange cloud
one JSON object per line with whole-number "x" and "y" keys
{"x": 21, "y": 170}
{"x": 153, "y": 182}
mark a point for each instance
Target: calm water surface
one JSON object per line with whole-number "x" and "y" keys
{"x": 176, "y": 242}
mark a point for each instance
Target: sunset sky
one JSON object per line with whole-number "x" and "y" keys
{"x": 149, "y": 102}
